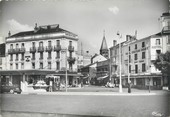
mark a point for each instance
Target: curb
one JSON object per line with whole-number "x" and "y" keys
{"x": 90, "y": 93}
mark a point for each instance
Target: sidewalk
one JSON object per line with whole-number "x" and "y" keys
{"x": 99, "y": 91}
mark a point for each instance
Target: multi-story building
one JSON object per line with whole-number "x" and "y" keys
{"x": 32, "y": 55}
{"x": 2, "y": 56}
{"x": 138, "y": 56}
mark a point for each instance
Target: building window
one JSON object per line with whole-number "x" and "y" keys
{"x": 70, "y": 43}
{"x": 41, "y": 44}
{"x": 16, "y": 65}
{"x": 17, "y": 45}
{"x": 16, "y": 57}
{"x": 143, "y": 67}
{"x": 143, "y": 55}
{"x": 49, "y": 55}
{"x": 41, "y": 55}
{"x": 11, "y": 57}
{"x": 136, "y": 68}
{"x": 129, "y": 68}
{"x": 136, "y": 46}
{"x": 158, "y": 42}
{"x": 58, "y": 42}
{"x": 41, "y": 65}
{"x": 33, "y": 44}
{"x": 129, "y": 58}
{"x": 22, "y": 65}
{"x": 33, "y": 56}
{"x": 168, "y": 40}
{"x": 22, "y": 46}
{"x": 49, "y": 43}
{"x": 143, "y": 44}
{"x": 22, "y": 56}
{"x": 136, "y": 57}
{"x": 33, "y": 65}
{"x": 11, "y": 66}
{"x": 129, "y": 48}
{"x": 158, "y": 52}
{"x": 57, "y": 54}
{"x": 11, "y": 46}
{"x": 49, "y": 65}
{"x": 58, "y": 65}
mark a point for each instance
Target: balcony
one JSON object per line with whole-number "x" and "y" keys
{"x": 33, "y": 59}
{"x": 57, "y": 48}
{"x": 57, "y": 58}
{"x": 49, "y": 48}
{"x": 71, "y": 59}
{"x": 49, "y": 58}
{"x": 17, "y": 50}
{"x": 40, "y": 49}
{"x": 22, "y": 59}
{"x": 22, "y": 50}
{"x": 41, "y": 58}
{"x": 11, "y": 51}
{"x": 32, "y": 49}
{"x": 70, "y": 48}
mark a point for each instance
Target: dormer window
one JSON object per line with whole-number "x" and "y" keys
{"x": 158, "y": 42}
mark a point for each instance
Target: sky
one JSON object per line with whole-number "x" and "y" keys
{"x": 86, "y": 18}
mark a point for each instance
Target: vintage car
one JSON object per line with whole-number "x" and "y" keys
{"x": 10, "y": 88}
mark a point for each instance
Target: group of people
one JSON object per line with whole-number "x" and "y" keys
{"x": 54, "y": 86}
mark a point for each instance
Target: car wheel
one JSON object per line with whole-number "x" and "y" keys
{"x": 11, "y": 91}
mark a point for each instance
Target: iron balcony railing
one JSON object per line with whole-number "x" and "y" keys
{"x": 70, "y": 48}
{"x": 40, "y": 49}
{"x": 32, "y": 49}
{"x": 49, "y": 48}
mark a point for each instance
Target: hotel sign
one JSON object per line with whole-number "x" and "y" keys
{"x": 143, "y": 49}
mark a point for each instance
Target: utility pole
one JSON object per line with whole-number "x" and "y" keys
{"x": 120, "y": 66}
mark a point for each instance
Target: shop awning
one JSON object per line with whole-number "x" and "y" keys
{"x": 103, "y": 77}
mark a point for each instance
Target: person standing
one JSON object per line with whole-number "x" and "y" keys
{"x": 51, "y": 86}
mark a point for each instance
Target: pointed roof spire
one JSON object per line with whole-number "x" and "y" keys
{"x": 104, "y": 44}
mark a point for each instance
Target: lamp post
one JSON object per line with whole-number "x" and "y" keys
{"x": 120, "y": 66}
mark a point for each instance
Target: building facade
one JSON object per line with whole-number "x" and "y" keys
{"x": 33, "y": 55}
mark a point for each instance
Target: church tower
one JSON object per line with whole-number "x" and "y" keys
{"x": 104, "y": 51}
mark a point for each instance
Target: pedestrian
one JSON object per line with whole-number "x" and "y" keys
{"x": 129, "y": 86}
{"x": 51, "y": 85}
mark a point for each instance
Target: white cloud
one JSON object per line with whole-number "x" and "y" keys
{"x": 114, "y": 10}
{"x": 15, "y": 26}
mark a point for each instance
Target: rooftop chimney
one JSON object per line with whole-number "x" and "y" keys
{"x": 114, "y": 42}
{"x": 9, "y": 34}
{"x": 36, "y": 28}
{"x": 136, "y": 34}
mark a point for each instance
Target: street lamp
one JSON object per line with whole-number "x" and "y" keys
{"x": 120, "y": 66}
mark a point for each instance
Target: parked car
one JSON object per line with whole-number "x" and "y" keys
{"x": 110, "y": 85}
{"x": 10, "y": 88}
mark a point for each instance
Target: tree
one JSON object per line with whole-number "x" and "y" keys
{"x": 163, "y": 64}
